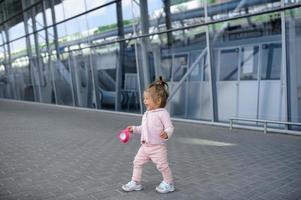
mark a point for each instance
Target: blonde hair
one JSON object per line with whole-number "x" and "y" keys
{"x": 158, "y": 91}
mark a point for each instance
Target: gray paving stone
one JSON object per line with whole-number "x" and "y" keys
{"x": 55, "y": 153}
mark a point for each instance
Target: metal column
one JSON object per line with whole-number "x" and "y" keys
{"x": 49, "y": 54}
{"x": 29, "y": 51}
{"x": 11, "y": 79}
{"x": 36, "y": 59}
{"x": 120, "y": 66}
{"x": 144, "y": 44}
{"x": 168, "y": 21}
{"x": 284, "y": 82}
{"x": 54, "y": 30}
{"x": 213, "y": 91}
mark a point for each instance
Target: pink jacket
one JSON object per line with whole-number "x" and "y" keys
{"x": 153, "y": 123}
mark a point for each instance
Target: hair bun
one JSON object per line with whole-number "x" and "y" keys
{"x": 161, "y": 81}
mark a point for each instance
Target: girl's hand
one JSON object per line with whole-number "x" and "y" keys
{"x": 163, "y": 135}
{"x": 130, "y": 128}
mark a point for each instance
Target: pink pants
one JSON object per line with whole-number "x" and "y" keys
{"x": 156, "y": 153}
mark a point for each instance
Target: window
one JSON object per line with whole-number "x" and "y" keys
{"x": 249, "y": 63}
{"x": 271, "y": 61}
{"x": 228, "y": 64}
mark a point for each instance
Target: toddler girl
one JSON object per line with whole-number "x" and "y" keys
{"x": 155, "y": 130}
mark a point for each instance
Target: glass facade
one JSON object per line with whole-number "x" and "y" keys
{"x": 221, "y": 58}
{"x": 247, "y": 62}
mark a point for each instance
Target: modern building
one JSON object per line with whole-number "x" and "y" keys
{"x": 222, "y": 59}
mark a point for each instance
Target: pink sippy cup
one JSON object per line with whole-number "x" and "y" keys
{"x": 124, "y": 135}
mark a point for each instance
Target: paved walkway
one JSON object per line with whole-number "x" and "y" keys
{"x": 55, "y": 153}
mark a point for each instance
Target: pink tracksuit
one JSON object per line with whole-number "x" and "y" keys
{"x": 153, "y": 147}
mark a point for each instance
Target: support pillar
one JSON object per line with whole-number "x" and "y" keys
{"x": 120, "y": 66}
{"x": 145, "y": 70}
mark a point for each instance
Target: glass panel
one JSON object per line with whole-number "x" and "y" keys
{"x": 59, "y": 10}
{"x": 16, "y": 27}
{"x": 102, "y": 24}
{"x": 166, "y": 66}
{"x": 41, "y": 38}
{"x": 218, "y": 9}
{"x": 271, "y": 61}
{"x": 32, "y": 44}
{"x": 199, "y": 87}
{"x": 38, "y": 13}
{"x": 1, "y": 38}
{"x": 72, "y": 8}
{"x": 181, "y": 13}
{"x": 3, "y": 35}
{"x": 42, "y": 62}
{"x": 187, "y": 52}
{"x": 62, "y": 33}
{"x": 248, "y": 48}
{"x": 201, "y": 71}
{"x": 63, "y": 68}
{"x": 293, "y": 49}
{"x": 48, "y": 14}
{"x": 95, "y": 3}
{"x": 157, "y": 20}
{"x": 186, "y": 13}
{"x": 71, "y": 34}
{"x": 48, "y": 17}
{"x": 271, "y": 105}
{"x": 3, "y": 74}
{"x": 18, "y": 48}
{"x": 226, "y": 67}
{"x": 82, "y": 78}
{"x": 155, "y": 8}
{"x": 130, "y": 89}
{"x": 104, "y": 62}
{"x": 291, "y": 1}
{"x": 51, "y": 39}
{"x": 180, "y": 64}
{"x": 75, "y": 29}
{"x": 35, "y": 67}
{"x": 249, "y": 63}
{"x": 47, "y": 87}
{"x": 35, "y": 14}
{"x": 28, "y": 19}
{"x": 13, "y": 7}
{"x": 2, "y": 53}
{"x": 21, "y": 71}
{"x": 3, "y": 81}
{"x": 63, "y": 82}
{"x": 2, "y": 16}
{"x": 229, "y": 65}
{"x": 248, "y": 96}
{"x": 29, "y": 3}
{"x": 131, "y": 17}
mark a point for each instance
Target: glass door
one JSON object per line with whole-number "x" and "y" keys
{"x": 247, "y": 96}
{"x": 227, "y": 82}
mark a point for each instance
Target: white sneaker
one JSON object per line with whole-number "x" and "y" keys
{"x": 165, "y": 188}
{"x": 132, "y": 186}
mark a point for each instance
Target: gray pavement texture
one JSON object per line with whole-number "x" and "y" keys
{"x": 56, "y": 153}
